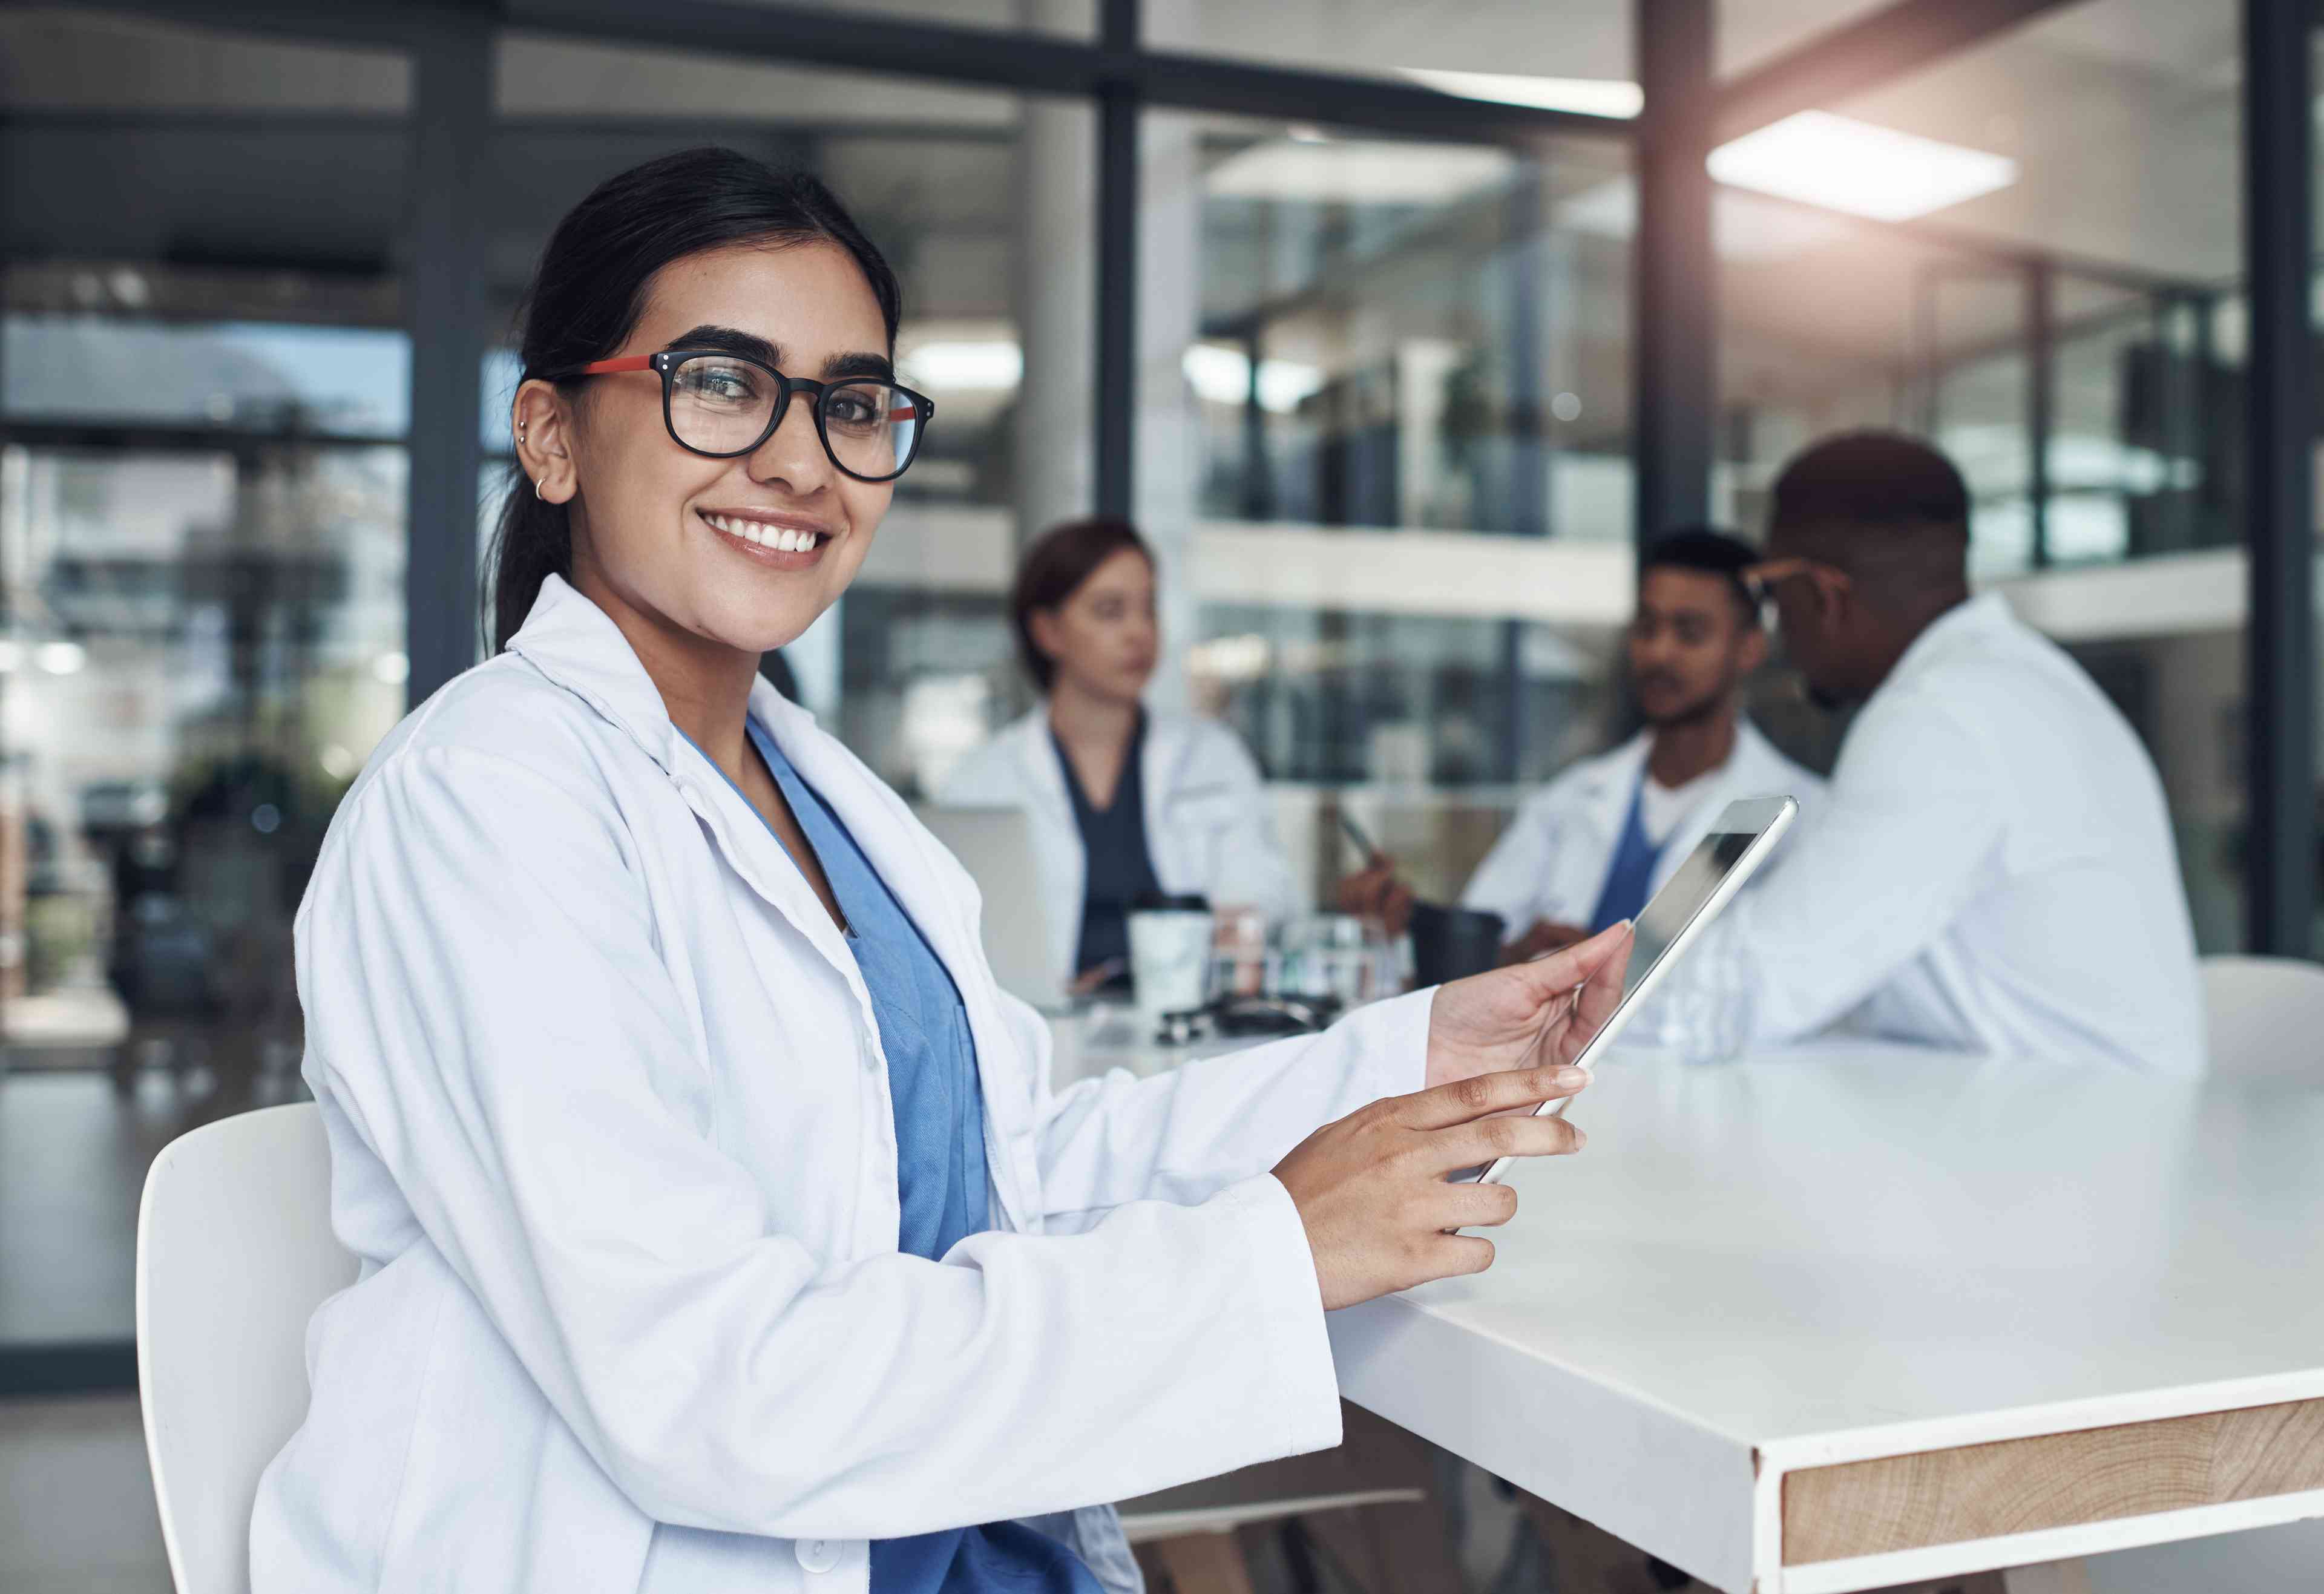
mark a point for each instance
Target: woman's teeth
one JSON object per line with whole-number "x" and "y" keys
{"x": 784, "y": 539}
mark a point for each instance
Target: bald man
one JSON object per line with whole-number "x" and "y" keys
{"x": 1993, "y": 866}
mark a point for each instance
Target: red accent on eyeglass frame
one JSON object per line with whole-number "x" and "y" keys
{"x": 645, "y": 363}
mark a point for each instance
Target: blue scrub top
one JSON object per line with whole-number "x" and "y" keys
{"x": 1630, "y": 877}
{"x": 940, "y": 1173}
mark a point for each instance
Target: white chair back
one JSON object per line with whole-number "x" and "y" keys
{"x": 2264, "y": 1017}
{"x": 235, "y": 1253}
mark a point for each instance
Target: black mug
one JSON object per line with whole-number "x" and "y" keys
{"x": 1453, "y": 942}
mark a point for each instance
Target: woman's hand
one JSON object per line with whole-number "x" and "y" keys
{"x": 1530, "y": 1015}
{"x": 1371, "y": 1190}
{"x": 1546, "y": 936}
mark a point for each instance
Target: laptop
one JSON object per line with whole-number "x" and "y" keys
{"x": 995, "y": 845}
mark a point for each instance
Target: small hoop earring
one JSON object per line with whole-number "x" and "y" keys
{"x": 536, "y": 492}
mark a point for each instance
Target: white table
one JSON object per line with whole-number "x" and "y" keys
{"x": 1856, "y": 1318}
{"x": 1099, "y": 1037}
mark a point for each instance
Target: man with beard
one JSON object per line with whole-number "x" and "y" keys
{"x": 1601, "y": 839}
{"x": 1993, "y": 868}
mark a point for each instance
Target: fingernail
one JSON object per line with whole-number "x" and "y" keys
{"x": 1579, "y": 1139}
{"x": 1572, "y": 1079}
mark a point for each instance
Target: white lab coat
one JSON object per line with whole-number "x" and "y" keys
{"x": 1993, "y": 869}
{"x": 1207, "y": 824}
{"x": 610, "y": 1132}
{"x": 1551, "y": 863}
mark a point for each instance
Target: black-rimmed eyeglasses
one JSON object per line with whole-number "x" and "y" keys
{"x": 722, "y": 405}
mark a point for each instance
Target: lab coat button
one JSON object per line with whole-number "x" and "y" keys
{"x": 818, "y": 1554}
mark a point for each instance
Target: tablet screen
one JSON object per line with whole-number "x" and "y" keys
{"x": 1704, "y": 883}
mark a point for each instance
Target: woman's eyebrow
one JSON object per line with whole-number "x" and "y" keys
{"x": 728, "y": 340}
{"x": 877, "y": 367}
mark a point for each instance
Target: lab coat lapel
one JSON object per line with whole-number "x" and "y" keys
{"x": 576, "y": 645}
{"x": 1600, "y": 809}
{"x": 910, "y": 862}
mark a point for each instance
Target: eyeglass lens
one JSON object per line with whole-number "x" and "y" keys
{"x": 721, "y": 405}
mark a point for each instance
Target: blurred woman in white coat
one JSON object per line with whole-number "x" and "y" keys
{"x": 1122, "y": 801}
{"x": 718, "y": 1228}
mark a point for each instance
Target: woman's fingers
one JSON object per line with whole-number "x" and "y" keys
{"x": 1601, "y": 989}
{"x": 1483, "y": 1094}
{"x": 1466, "y": 1145}
{"x": 1474, "y": 1206}
{"x": 1562, "y": 971}
{"x": 1454, "y": 1255}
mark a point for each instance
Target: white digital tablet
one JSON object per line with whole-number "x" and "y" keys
{"x": 1741, "y": 840}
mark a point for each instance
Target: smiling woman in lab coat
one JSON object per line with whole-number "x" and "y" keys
{"x": 1122, "y": 801}
{"x": 719, "y": 1230}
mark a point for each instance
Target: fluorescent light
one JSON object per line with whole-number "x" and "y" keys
{"x": 1591, "y": 96}
{"x": 1222, "y": 376}
{"x": 1844, "y": 164}
{"x": 967, "y": 366}
{"x": 1358, "y": 172}
{"x": 60, "y": 659}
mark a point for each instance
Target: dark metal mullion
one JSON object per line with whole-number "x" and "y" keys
{"x": 1674, "y": 323}
{"x": 1877, "y": 48}
{"x": 2040, "y": 400}
{"x": 451, "y": 127}
{"x": 1117, "y": 268}
{"x": 1258, "y": 470}
{"x": 1042, "y": 63}
{"x": 2279, "y": 163}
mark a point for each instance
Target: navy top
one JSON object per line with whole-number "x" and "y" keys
{"x": 1119, "y": 870}
{"x": 940, "y": 1175}
{"x": 1631, "y": 875}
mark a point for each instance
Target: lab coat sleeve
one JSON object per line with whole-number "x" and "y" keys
{"x": 487, "y": 1000}
{"x": 1184, "y": 1135}
{"x": 1509, "y": 882}
{"x": 1900, "y": 843}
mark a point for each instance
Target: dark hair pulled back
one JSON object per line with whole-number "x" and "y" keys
{"x": 591, "y": 290}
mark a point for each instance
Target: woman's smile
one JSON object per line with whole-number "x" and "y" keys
{"x": 767, "y": 536}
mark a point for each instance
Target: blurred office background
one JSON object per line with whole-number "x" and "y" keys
{"x": 1394, "y": 324}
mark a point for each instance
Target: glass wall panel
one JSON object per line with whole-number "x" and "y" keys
{"x": 206, "y": 389}
{"x": 1570, "y": 57}
{"x": 1391, "y": 334}
{"x": 1359, "y": 354}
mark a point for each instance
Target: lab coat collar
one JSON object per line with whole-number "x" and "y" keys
{"x": 1957, "y": 627}
{"x": 1028, "y": 742}
{"x": 576, "y": 644}
{"x": 1610, "y": 782}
